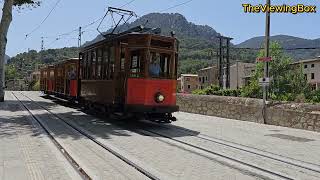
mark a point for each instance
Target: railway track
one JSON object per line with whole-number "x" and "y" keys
{"x": 64, "y": 152}
{"x": 291, "y": 161}
{"x": 147, "y": 172}
{"x": 230, "y": 160}
{"x": 281, "y": 159}
{"x": 261, "y": 171}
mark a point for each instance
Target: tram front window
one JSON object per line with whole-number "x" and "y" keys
{"x": 159, "y": 65}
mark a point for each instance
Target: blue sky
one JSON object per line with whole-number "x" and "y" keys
{"x": 225, "y": 16}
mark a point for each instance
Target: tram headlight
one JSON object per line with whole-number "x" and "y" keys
{"x": 159, "y": 98}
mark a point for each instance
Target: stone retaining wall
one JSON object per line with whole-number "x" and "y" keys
{"x": 301, "y": 116}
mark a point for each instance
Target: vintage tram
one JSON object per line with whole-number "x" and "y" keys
{"x": 133, "y": 72}
{"x": 61, "y": 79}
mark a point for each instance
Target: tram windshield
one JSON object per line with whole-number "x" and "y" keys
{"x": 159, "y": 65}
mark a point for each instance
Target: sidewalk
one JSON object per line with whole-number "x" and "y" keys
{"x": 25, "y": 150}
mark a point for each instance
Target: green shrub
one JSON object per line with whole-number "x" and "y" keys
{"x": 36, "y": 86}
{"x": 215, "y": 90}
{"x": 314, "y": 97}
{"x": 199, "y": 92}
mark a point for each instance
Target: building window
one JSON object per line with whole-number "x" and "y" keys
{"x": 199, "y": 79}
{"x": 305, "y": 76}
{"x": 305, "y": 66}
{"x": 187, "y": 79}
{"x": 312, "y": 65}
{"x": 189, "y": 86}
{"x": 202, "y": 79}
{"x": 206, "y": 78}
{"x": 312, "y": 75}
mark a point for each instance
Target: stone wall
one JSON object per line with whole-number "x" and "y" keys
{"x": 301, "y": 116}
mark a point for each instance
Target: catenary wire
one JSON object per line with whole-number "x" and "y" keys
{"x": 52, "y": 9}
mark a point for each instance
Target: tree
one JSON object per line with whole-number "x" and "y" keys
{"x": 287, "y": 80}
{"x": 4, "y": 27}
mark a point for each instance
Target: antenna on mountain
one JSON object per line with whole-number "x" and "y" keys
{"x": 122, "y": 13}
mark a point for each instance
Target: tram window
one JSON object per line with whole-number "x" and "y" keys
{"x": 99, "y": 63}
{"x": 112, "y": 60}
{"x": 135, "y": 63}
{"x": 159, "y": 65}
{"x": 51, "y": 74}
{"x": 122, "y": 59}
{"x": 106, "y": 62}
{"x": 89, "y": 64}
{"x": 84, "y": 64}
{"x": 165, "y": 65}
{"x": 94, "y": 63}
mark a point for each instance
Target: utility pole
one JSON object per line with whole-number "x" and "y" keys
{"x": 220, "y": 63}
{"x": 42, "y": 44}
{"x": 79, "y": 38}
{"x": 266, "y": 64}
{"x": 224, "y": 61}
{"x": 237, "y": 74}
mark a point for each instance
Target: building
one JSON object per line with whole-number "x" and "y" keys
{"x": 179, "y": 84}
{"x": 240, "y": 74}
{"x": 311, "y": 70}
{"x": 208, "y": 76}
{"x": 189, "y": 82}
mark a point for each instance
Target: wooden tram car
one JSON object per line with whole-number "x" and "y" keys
{"x": 133, "y": 72}
{"x": 61, "y": 79}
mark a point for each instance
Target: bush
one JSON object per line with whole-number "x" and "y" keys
{"x": 314, "y": 97}
{"x": 36, "y": 86}
{"x": 215, "y": 90}
{"x": 199, "y": 92}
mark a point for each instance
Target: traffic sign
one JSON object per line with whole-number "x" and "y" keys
{"x": 264, "y": 81}
{"x": 264, "y": 59}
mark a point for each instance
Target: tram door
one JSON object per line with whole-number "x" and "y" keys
{"x": 121, "y": 77}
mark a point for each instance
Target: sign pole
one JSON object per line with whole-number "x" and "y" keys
{"x": 266, "y": 65}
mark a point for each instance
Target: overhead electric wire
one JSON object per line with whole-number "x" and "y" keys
{"x": 74, "y": 30}
{"x": 56, "y": 4}
{"x": 127, "y": 3}
{"x": 177, "y": 5}
{"x": 286, "y": 49}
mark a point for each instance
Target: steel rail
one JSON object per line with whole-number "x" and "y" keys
{"x": 221, "y": 155}
{"x": 287, "y": 160}
{"x": 63, "y": 151}
{"x": 115, "y": 153}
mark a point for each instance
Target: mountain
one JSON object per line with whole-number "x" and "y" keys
{"x": 169, "y": 22}
{"x": 288, "y": 42}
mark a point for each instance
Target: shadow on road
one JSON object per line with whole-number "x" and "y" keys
{"x": 14, "y": 119}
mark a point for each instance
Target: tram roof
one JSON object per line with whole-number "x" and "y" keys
{"x": 139, "y": 30}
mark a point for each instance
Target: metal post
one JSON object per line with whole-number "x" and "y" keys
{"x": 228, "y": 64}
{"x": 42, "y": 44}
{"x": 237, "y": 74}
{"x": 79, "y": 38}
{"x": 266, "y": 68}
{"x": 220, "y": 64}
